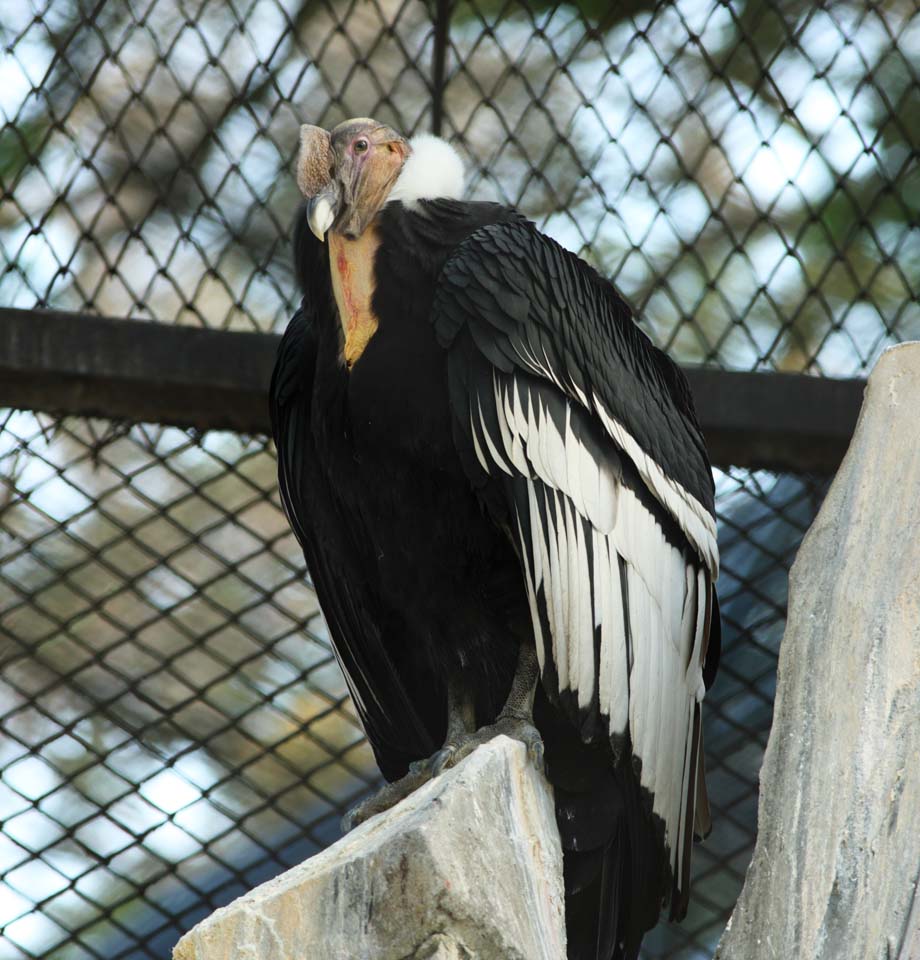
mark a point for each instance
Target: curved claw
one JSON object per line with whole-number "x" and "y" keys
{"x": 535, "y": 753}
{"x": 462, "y": 751}
{"x": 351, "y": 819}
{"x": 443, "y": 760}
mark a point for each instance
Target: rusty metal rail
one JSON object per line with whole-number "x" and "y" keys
{"x": 215, "y": 379}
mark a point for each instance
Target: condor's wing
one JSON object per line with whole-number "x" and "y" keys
{"x": 359, "y": 629}
{"x": 582, "y": 439}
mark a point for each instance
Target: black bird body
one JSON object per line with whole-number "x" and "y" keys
{"x": 419, "y": 531}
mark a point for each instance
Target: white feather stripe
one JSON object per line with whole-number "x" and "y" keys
{"x": 561, "y": 569}
{"x": 548, "y": 369}
{"x": 599, "y": 562}
{"x": 677, "y": 850}
{"x": 603, "y": 618}
{"x": 524, "y": 350}
{"x": 672, "y": 734}
{"x": 502, "y": 410}
{"x": 668, "y": 590}
{"x": 631, "y": 535}
{"x": 513, "y": 447}
{"x": 653, "y": 703}
{"x": 589, "y": 479}
{"x": 697, "y": 523}
{"x": 586, "y": 638}
{"x": 674, "y": 605}
{"x": 553, "y": 591}
{"x": 536, "y": 539}
{"x": 573, "y": 635}
{"x": 689, "y": 616}
{"x": 532, "y": 442}
{"x": 671, "y": 737}
{"x": 694, "y": 678}
{"x": 540, "y": 556}
{"x": 581, "y": 395}
{"x": 490, "y": 443}
{"x": 536, "y": 440}
{"x": 503, "y": 397}
{"x": 552, "y": 446}
{"x": 659, "y": 698}
{"x": 614, "y": 657}
{"x": 689, "y": 606}
{"x": 657, "y": 688}
{"x": 638, "y": 607}
{"x": 519, "y": 456}
{"x": 677, "y": 712}
{"x": 518, "y": 410}
{"x": 476, "y": 445}
{"x": 608, "y": 484}
{"x": 514, "y": 426}
{"x": 689, "y": 619}
{"x": 662, "y": 759}
{"x": 683, "y": 733}
{"x": 574, "y": 453}
{"x": 540, "y": 439}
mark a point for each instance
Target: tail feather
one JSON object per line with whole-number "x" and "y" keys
{"x": 616, "y": 867}
{"x": 592, "y": 911}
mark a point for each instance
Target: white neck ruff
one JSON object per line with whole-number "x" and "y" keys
{"x": 432, "y": 171}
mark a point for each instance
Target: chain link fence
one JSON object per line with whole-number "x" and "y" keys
{"x": 173, "y": 728}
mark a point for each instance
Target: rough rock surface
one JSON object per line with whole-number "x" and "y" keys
{"x": 835, "y": 871}
{"x": 467, "y": 867}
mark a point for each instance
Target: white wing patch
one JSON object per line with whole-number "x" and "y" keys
{"x": 618, "y": 610}
{"x": 694, "y": 519}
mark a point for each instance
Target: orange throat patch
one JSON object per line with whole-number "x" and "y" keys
{"x": 351, "y": 263}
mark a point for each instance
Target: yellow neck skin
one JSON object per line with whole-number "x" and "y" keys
{"x": 351, "y": 263}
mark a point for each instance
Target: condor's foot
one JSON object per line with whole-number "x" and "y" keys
{"x": 515, "y": 720}
{"x": 389, "y": 795}
{"x": 454, "y": 750}
{"x": 419, "y": 774}
{"x": 517, "y": 727}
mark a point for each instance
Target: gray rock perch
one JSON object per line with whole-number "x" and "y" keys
{"x": 835, "y": 871}
{"x": 469, "y": 866}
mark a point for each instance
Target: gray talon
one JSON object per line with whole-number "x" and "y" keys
{"x": 442, "y": 760}
{"x": 535, "y": 751}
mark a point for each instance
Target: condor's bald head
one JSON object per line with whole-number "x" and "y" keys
{"x": 346, "y": 175}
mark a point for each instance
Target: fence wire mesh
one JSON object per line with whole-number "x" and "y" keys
{"x": 173, "y": 728}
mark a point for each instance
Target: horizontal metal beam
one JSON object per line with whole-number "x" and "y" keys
{"x": 69, "y": 363}
{"x": 135, "y": 370}
{"x": 781, "y": 421}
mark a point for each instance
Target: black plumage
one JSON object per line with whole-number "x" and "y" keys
{"x": 452, "y": 493}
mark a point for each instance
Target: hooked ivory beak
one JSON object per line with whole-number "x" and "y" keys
{"x": 321, "y": 212}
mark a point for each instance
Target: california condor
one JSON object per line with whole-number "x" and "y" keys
{"x": 506, "y": 508}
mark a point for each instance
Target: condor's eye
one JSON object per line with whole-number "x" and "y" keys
{"x": 361, "y": 145}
